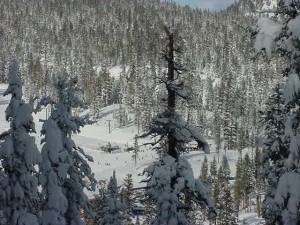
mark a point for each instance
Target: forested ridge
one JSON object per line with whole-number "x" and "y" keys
{"x": 87, "y": 38}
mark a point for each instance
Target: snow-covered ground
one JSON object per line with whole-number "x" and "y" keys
{"x": 250, "y": 218}
{"x": 92, "y": 137}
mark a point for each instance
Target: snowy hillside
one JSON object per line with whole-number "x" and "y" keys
{"x": 94, "y": 136}
{"x": 254, "y": 8}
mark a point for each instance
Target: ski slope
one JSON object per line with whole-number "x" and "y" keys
{"x": 92, "y": 137}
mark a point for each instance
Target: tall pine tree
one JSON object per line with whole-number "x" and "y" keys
{"x": 276, "y": 150}
{"x": 71, "y": 168}
{"x": 19, "y": 156}
{"x": 112, "y": 214}
{"x": 170, "y": 180}
{"x": 280, "y": 36}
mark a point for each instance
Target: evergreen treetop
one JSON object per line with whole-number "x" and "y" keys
{"x": 73, "y": 171}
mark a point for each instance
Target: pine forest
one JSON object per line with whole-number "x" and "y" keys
{"x": 124, "y": 112}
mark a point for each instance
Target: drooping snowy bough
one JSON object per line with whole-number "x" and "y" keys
{"x": 280, "y": 36}
{"x": 173, "y": 186}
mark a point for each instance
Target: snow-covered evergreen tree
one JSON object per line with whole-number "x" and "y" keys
{"x": 213, "y": 170}
{"x": 18, "y": 155}
{"x": 276, "y": 151}
{"x": 226, "y": 212}
{"x": 129, "y": 197}
{"x": 204, "y": 170}
{"x": 135, "y": 155}
{"x": 66, "y": 170}
{"x": 259, "y": 180}
{"x": 112, "y": 213}
{"x": 170, "y": 182}
{"x": 127, "y": 190}
{"x": 280, "y": 35}
{"x": 247, "y": 180}
{"x": 226, "y": 169}
{"x": 99, "y": 202}
{"x": 52, "y": 175}
{"x": 222, "y": 195}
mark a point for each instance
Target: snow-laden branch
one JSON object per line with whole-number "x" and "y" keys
{"x": 181, "y": 131}
{"x": 178, "y": 89}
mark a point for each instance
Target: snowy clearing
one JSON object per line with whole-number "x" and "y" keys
{"x": 92, "y": 137}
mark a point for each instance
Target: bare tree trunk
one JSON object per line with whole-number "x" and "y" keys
{"x": 171, "y": 94}
{"x": 258, "y": 200}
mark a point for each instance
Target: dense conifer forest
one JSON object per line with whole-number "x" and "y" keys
{"x": 88, "y": 38}
{"x": 177, "y": 74}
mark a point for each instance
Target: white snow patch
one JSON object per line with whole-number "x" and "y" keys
{"x": 288, "y": 195}
{"x": 292, "y": 87}
{"x": 268, "y": 31}
{"x": 294, "y": 27}
{"x": 114, "y": 71}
